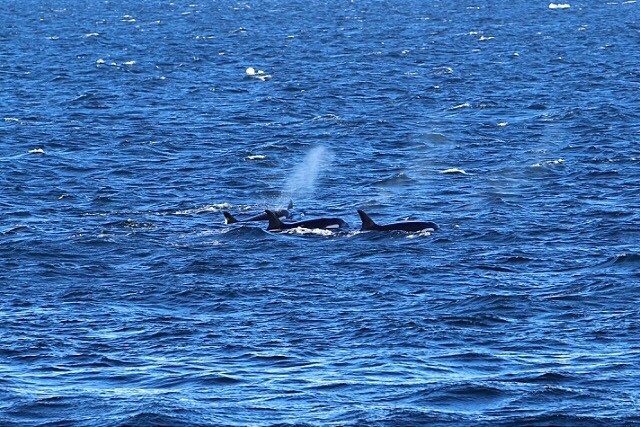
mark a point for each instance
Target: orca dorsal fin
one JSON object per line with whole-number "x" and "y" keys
{"x": 290, "y": 204}
{"x": 367, "y": 223}
{"x": 274, "y": 221}
{"x": 228, "y": 218}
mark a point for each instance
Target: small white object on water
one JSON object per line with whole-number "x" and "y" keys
{"x": 459, "y": 106}
{"x": 548, "y": 163}
{"x": 559, "y": 5}
{"x": 37, "y": 151}
{"x": 454, "y": 171}
{"x": 259, "y": 75}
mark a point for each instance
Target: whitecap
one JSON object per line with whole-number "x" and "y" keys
{"x": 207, "y": 208}
{"x": 307, "y": 231}
{"x": 129, "y": 63}
{"x": 443, "y": 70}
{"x": 548, "y": 163}
{"x": 355, "y": 233}
{"x": 423, "y": 233}
{"x": 453, "y": 171}
{"x": 503, "y": 124}
{"x": 559, "y": 5}
{"x": 484, "y": 39}
{"x": 459, "y": 106}
{"x": 37, "y": 151}
{"x": 256, "y": 157}
{"x": 92, "y": 34}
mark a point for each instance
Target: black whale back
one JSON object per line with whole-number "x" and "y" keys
{"x": 411, "y": 226}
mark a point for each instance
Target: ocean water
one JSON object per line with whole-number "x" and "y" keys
{"x": 126, "y": 128}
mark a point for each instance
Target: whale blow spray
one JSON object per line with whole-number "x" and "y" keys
{"x": 303, "y": 179}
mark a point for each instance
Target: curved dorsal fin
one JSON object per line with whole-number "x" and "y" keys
{"x": 228, "y": 218}
{"x": 274, "y": 221}
{"x": 367, "y": 223}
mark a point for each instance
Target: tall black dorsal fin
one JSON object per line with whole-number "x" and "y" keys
{"x": 274, "y": 221}
{"x": 228, "y": 218}
{"x": 367, "y": 223}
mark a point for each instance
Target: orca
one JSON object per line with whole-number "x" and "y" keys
{"x": 326, "y": 223}
{"x": 281, "y": 213}
{"x": 230, "y": 219}
{"x": 369, "y": 225}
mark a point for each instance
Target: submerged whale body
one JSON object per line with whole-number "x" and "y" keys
{"x": 230, "y": 219}
{"x": 325, "y": 223}
{"x": 369, "y": 225}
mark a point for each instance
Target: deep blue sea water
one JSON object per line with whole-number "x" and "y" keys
{"x": 126, "y": 128}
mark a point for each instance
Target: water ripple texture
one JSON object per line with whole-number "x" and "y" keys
{"x": 128, "y": 128}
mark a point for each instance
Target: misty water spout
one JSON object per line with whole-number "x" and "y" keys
{"x": 302, "y": 181}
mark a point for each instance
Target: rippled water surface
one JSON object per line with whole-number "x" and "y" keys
{"x": 128, "y": 127}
